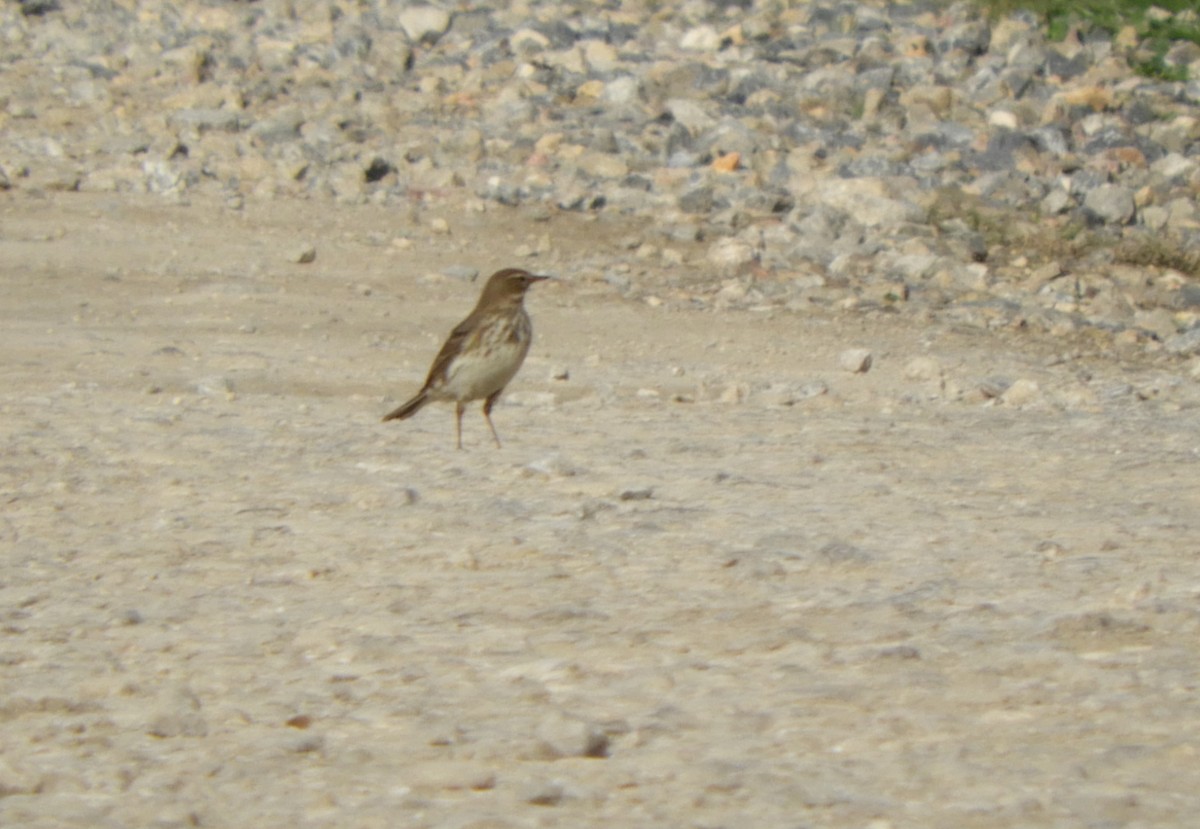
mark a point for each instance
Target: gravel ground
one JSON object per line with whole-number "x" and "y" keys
{"x": 713, "y": 577}
{"x": 850, "y": 481}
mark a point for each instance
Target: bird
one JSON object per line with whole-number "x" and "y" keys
{"x": 483, "y": 352}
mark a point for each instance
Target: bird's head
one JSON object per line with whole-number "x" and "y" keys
{"x": 508, "y": 285}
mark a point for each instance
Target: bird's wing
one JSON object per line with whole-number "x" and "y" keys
{"x": 451, "y": 349}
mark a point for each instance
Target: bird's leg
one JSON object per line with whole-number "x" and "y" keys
{"x": 458, "y": 413}
{"x": 487, "y": 415}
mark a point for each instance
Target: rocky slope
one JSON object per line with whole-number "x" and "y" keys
{"x": 912, "y": 157}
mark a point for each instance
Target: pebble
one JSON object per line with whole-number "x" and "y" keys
{"x": 423, "y": 24}
{"x": 453, "y": 775}
{"x": 216, "y": 385}
{"x": 554, "y": 466}
{"x": 855, "y": 360}
{"x": 993, "y": 387}
{"x": 560, "y": 735}
{"x": 543, "y": 793}
{"x": 787, "y": 394}
{"x": 180, "y": 715}
{"x": 1022, "y": 392}
{"x": 733, "y": 393}
{"x": 923, "y": 369}
{"x": 643, "y": 493}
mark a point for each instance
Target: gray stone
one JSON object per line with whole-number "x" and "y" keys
{"x": 1189, "y": 295}
{"x": 1111, "y": 203}
{"x": 205, "y": 120}
{"x": 700, "y": 200}
{"x": 1185, "y": 344}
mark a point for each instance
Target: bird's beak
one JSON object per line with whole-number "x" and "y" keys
{"x": 533, "y": 277}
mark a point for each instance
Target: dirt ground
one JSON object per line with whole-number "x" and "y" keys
{"x": 712, "y": 579}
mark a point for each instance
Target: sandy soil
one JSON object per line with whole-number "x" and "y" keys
{"x": 688, "y": 591}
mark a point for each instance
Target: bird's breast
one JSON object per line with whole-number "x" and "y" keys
{"x": 489, "y": 359}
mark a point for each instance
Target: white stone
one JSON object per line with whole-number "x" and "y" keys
{"x": 1021, "y": 393}
{"x": 923, "y": 369}
{"x": 701, "y": 39}
{"x": 424, "y": 23}
{"x": 855, "y": 360}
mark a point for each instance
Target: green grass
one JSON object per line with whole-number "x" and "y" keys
{"x": 1159, "y": 251}
{"x": 1044, "y": 239}
{"x": 1155, "y": 35}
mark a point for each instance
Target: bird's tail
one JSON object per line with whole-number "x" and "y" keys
{"x": 408, "y": 409}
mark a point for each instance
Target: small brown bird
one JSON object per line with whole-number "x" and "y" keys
{"x": 483, "y": 352}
